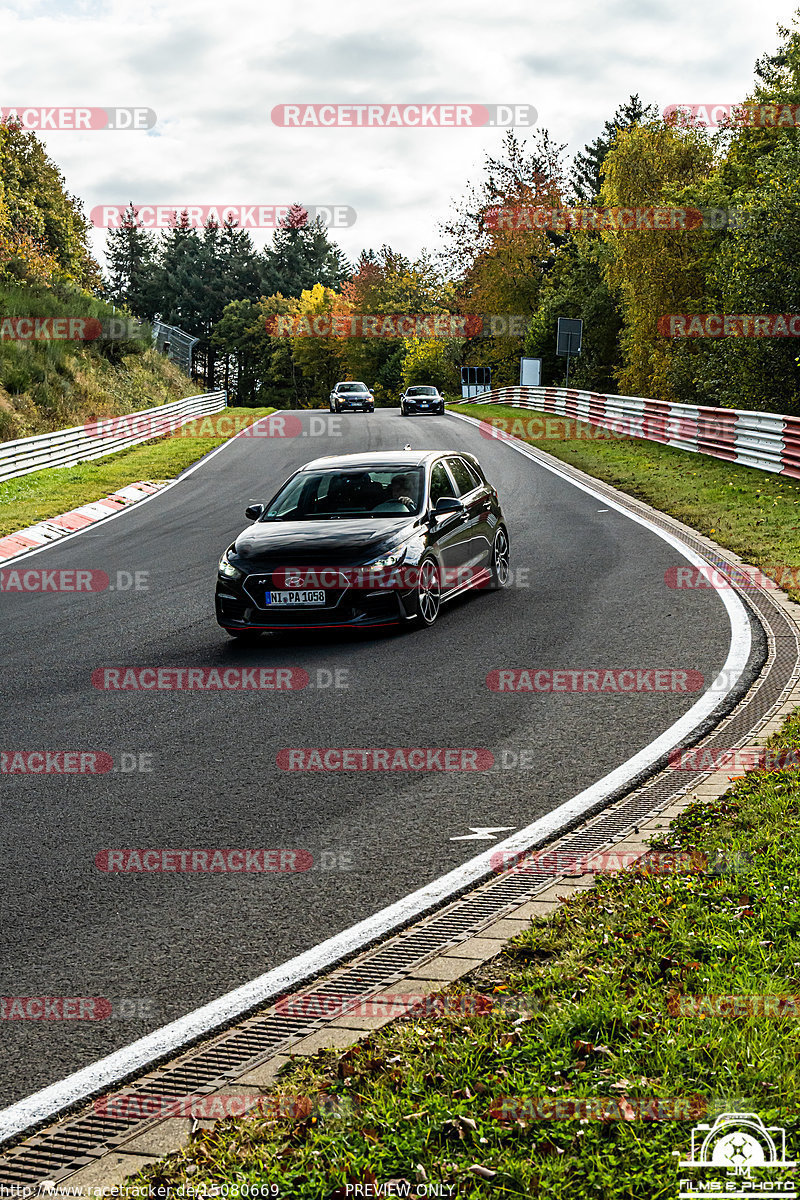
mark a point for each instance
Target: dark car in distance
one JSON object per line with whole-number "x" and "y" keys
{"x": 363, "y": 540}
{"x": 421, "y": 398}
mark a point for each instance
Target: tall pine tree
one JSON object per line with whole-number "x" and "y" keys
{"x": 301, "y": 255}
{"x": 130, "y": 251}
{"x": 586, "y": 177}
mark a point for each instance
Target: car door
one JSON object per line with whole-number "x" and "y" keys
{"x": 447, "y": 531}
{"x": 474, "y": 495}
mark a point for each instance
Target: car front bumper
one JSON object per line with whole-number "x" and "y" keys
{"x": 348, "y": 608}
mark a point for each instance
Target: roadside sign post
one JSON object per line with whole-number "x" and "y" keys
{"x": 474, "y": 381}
{"x": 530, "y": 372}
{"x": 569, "y": 338}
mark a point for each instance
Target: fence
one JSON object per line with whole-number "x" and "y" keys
{"x": 97, "y": 438}
{"x": 176, "y": 344}
{"x": 764, "y": 440}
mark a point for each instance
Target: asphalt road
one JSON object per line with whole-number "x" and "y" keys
{"x": 596, "y": 597}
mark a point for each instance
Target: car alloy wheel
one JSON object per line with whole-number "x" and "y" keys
{"x": 501, "y": 570}
{"x": 429, "y": 592}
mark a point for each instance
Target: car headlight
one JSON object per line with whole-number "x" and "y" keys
{"x": 227, "y": 569}
{"x": 388, "y": 560}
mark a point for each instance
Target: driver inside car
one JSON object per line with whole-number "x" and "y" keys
{"x": 399, "y": 499}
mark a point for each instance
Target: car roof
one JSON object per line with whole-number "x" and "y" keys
{"x": 381, "y": 458}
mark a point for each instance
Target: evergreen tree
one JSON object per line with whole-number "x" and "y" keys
{"x": 586, "y": 175}
{"x": 301, "y": 255}
{"x": 130, "y": 251}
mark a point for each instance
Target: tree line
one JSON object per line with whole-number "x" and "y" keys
{"x": 498, "y": 255}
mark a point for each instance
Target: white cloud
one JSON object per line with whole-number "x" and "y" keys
{"x": 213, "y": 74}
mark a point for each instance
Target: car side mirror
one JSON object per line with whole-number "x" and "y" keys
{"x": 254, "y": 511}
{"x": 446, "y": 505}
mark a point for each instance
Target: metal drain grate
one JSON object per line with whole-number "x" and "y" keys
{"x": 62, "y": 1149}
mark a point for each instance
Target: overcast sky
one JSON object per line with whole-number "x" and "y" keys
{"x": 213, "y": 71}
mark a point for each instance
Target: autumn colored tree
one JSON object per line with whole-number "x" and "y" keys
{"x": 319, "y": 358}
{"x": 653, "y": 272}
{"x": 388, "y": 283}
{"x": 44, "y": 236}
{"x": 497, "y": 257}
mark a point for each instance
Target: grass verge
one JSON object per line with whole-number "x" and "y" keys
{"x": 753, "y": 513}
{"x": 466, "y": 1101}
{"x": 55, "y": 490}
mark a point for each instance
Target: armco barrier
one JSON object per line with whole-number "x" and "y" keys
{"x": 764, "y": 440}
{"x": 82, "y": 443}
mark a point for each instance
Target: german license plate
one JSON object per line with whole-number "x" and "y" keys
{"x": 296, "y": 599}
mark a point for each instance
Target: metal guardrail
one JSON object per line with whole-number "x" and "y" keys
{"x": 107, "y": 435}
{"x": 764, "y": 440}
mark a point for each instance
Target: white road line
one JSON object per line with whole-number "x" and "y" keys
{"x": 106, "y": 1072}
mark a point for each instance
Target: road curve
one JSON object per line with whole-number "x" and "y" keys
{"x": 595, "y": 597}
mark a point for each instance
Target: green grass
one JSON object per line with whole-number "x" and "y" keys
{"x": 48, "y": 385}
{"x": 753, "y": 513}
{"x": 55, "y": 490}
{"x": 601, "y": 978}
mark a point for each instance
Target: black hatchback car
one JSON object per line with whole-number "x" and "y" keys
{"x": 364, "y": 540}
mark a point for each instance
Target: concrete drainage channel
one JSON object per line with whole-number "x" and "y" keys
{"x": 88, "y": 1148}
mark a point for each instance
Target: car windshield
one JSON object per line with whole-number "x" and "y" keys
{"x": 353, "y": 387}
{"x": 358, "y": 493}
{"x": 421, "y": 391}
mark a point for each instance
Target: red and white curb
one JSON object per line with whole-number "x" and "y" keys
{"x": 15, "y": 544}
